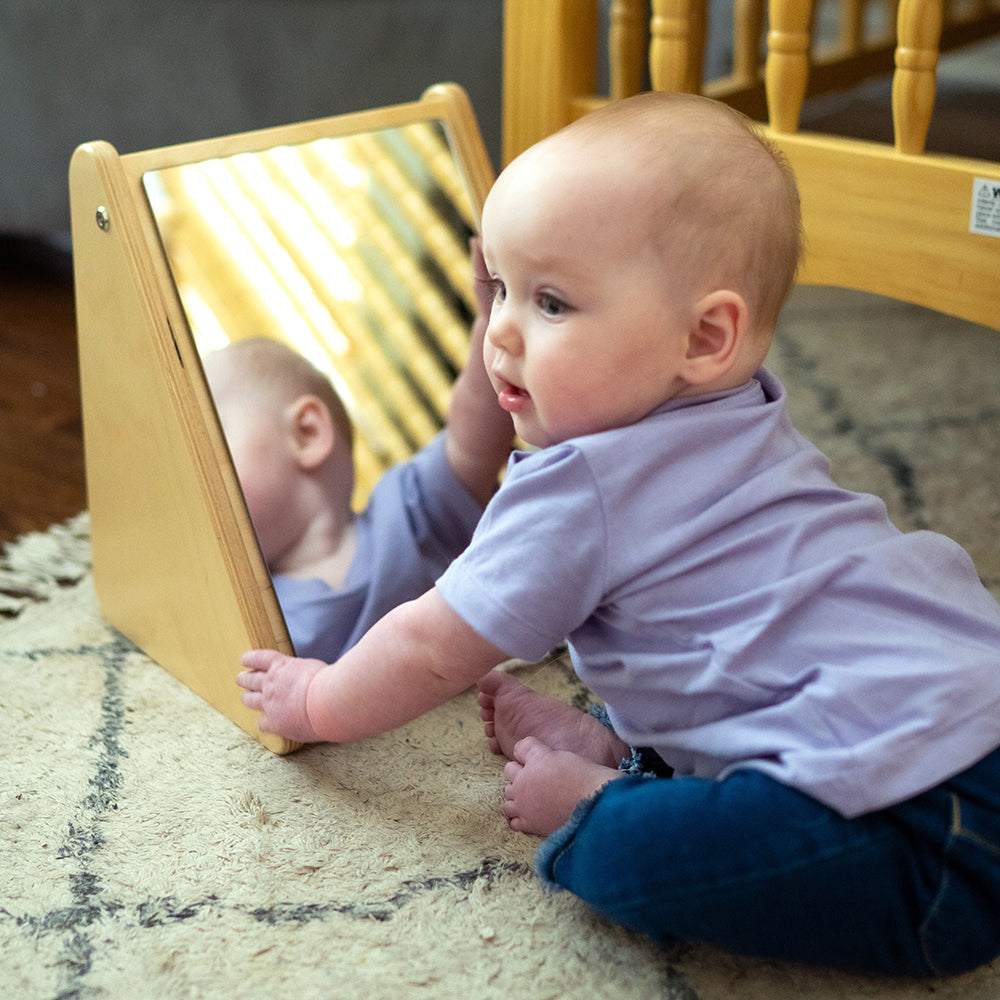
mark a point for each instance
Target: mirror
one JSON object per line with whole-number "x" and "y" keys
{"x": 346, "y": 237}
{"x": 353, "y": 250}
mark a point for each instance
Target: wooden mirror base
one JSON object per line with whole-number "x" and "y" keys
{"x": 177, "y": 568}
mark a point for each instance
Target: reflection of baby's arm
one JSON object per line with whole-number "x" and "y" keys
{"x": 479, "y": 431}
{"x": 417, "y": 657}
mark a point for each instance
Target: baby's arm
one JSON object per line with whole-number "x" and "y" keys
{"x": 417, "y": 657}
{"x": 479, "y": 432}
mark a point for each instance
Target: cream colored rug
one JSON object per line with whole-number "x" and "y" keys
{"x": 148, "y": 848}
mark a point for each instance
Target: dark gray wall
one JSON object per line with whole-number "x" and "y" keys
{"x": 140, "y": 74}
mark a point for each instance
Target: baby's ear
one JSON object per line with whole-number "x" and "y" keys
{"x": 718, "y": 328}
{"x": 311, "y": 430}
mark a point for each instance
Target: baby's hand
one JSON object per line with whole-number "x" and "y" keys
{"x": 276, "y": 686}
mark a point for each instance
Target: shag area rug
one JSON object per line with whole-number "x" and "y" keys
{"x": 148, "y": 848}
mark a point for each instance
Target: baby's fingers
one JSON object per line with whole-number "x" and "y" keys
{"x": 253, "y": 700}
{"x": 261, "y": 659}
{"x": 250, "y": 680}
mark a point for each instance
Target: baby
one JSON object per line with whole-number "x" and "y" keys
{"x": 336, "y": 572}
{"x": 800, "y": 757}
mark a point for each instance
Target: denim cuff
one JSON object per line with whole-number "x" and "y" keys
{"x": 554, "y": 846}
{"x": 641, "y": 760}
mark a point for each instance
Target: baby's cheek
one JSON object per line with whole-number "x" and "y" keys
{"x": 254, "y": 501}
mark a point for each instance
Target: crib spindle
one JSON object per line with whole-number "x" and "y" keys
{"x": 627, "y": 47}
{"x": 914, "y": 81}
{"x": 748, "y": 25}
{"x": 852, "y": 25}
{"x": 677, "y": 44}
{"x": 786, "y": 72}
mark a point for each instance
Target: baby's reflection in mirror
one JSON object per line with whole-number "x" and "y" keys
{"x": 337, "y": 571}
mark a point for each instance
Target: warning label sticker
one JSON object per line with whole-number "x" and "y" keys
{"x": 985, "y": 215}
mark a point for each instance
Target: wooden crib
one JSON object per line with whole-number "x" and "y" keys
{"x": 888, "y": 219}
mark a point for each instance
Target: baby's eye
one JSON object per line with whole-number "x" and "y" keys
{"x": 551, "y": 305}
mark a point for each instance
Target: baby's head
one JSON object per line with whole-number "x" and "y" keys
{"x": 668, "y": 221}
{"x": 288, "y": 432}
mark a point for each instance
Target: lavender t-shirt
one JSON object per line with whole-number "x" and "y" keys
{"x": 418, "y": 518}
{"x": 735, "y": 608}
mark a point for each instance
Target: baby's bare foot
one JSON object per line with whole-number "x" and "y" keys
{"x": 545, "y": 785}
{"x": 511, "y": 711}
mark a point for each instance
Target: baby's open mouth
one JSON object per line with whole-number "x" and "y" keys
{"x": 512, "y": 398}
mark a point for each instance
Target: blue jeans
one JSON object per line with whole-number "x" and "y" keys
{"x": 757, "y": 868}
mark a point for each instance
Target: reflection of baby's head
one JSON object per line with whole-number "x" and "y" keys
{"x": 288, "y": 433}
{"x": 272, "y": 376}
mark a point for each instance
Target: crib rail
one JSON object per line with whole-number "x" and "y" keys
{"x": 812, "y": 48}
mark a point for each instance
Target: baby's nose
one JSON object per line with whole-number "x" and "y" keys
{"x": 502, "y": 331}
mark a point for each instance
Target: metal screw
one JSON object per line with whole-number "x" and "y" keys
{"x": 103, "y": 219}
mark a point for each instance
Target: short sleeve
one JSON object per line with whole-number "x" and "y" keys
{"x": 536, "y": 567}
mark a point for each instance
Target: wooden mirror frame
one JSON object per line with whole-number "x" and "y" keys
{"x": 177, "y": 568}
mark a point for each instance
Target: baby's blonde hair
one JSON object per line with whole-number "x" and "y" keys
{"x": 282, "y": 375}
{"x": 719, "y": 190}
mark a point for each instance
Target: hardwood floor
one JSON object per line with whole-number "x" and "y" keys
{"x": 41, "y": 438}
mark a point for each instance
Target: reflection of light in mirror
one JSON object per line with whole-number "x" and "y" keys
{"x": 273, "y": 276}
{"x": 332, "y": 151}
{"x": 211, "y": 336}
{"x": 354, "y": 250}
{"x": 289, "y": 217}
{"x": 324, "y": 211}
{"x": 214, "y": 192}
